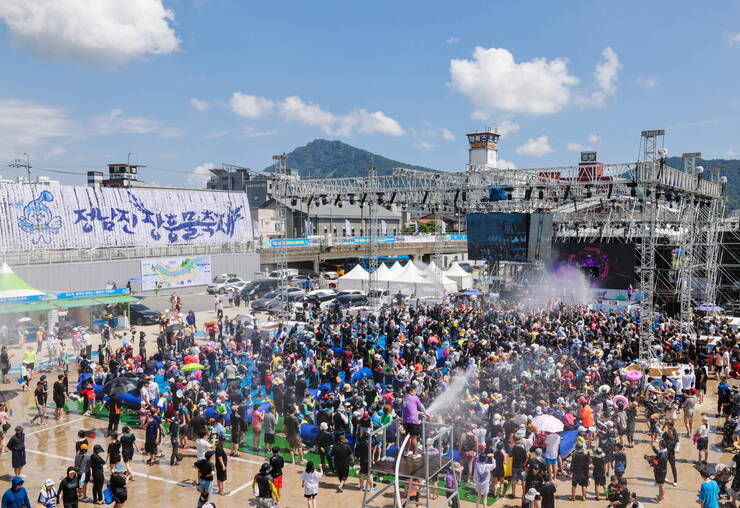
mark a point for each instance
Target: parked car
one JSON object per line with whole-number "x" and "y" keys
{"x": 291, "y": 299}
{"x": 143, "y": 315}
{"x": 258, "y": 288}
{"x": 260, "y": 304}
{"x": 347, "y": 301}
{"x": 237, "y": 286}
{"x": 220, "y": 284}
{"x": 343, "y": 292}
{"x": 330, "y": 275}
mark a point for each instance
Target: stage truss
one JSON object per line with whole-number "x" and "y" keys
{"x": 658, "y": 207}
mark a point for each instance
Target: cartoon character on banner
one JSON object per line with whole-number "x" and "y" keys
{"x": 38, "y": 219}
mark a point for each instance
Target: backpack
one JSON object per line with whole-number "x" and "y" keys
{"x": 469, "y": 443}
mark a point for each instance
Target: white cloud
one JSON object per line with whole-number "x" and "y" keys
{"x": 249, "y": 132}
{"x": 647, "y": 81}
{"x": 294, "y": 109}
{"x": 606, "y": 73}
{"x": 25, "y": 125}
{"x": 103, "y": 33}
{"x": 216, "y": 134}
{"x": 116, "y": 123}
{"x": 199, "y": 105}
{"x": 731, "y": 153}
{"x": 425, "y": 145}
{"x": 250, "y": 106}
{"x": 594, "y": 138}
{"x": 200, "y": 175}
{"x": 535, "y": 147}
{"x": 445, "y": 134}
{"x": 506, "y": 127}
{"x": 494, "y": 81}
{"x": 734, "y": 38}
{"x": 577, "y": 147}
{"x": 55, "y": 151}
{"x": 453, "y": 40}
{"x": 504, "y": 164}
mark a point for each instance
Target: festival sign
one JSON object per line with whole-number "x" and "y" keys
{"x": 66, "y": 217}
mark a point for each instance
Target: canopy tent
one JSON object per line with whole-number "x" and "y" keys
{"x": 354, "y": 279}
{"x": 462, "y": 278}
{"x": 12, "y": 286}
{"x": 384, "y": 273}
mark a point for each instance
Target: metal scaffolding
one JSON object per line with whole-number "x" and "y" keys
{"x": 655, "y": 206}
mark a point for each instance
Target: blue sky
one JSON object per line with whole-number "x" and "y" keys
{"x": 83, "y": 87}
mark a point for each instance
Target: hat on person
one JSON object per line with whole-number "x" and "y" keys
{"x": 266, "y": 468}
{"x": 598, "y": 452}
{"x": 49, "y": 483}
{"x": 579, "y": 445}
{"x": 457, "y": 467}
{"x": 119, "y": 468}
{"x": 531, "y": 494}
{"x": 581, "y": 428}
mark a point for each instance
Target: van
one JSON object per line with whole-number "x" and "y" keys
{"x": 259, "y": 288}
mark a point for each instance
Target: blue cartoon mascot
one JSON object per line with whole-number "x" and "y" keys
{"x": 38, "y": 220}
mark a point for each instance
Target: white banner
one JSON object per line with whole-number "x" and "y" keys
{"x": 66, "y": 217}
{"x": 175, "y": 272}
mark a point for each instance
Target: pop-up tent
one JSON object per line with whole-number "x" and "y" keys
{"x": 463, "y": 279}
{"x": 12, "y": 286}
{"x": 354, "y": 279}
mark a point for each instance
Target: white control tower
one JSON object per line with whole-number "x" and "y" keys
{"x": 483, "y": 153}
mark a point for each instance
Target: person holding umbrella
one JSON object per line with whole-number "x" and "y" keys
{"x": 17, "y": 445}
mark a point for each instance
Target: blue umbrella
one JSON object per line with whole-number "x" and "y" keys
{"x": 472, "y": 292}
{"x": 363, "y": 373}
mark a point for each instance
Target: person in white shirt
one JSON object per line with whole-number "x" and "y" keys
{"x": 482, "y": 478}
{"x": 702, "y": 444}
{"x": 552, "y": 449}
{"x": 310, "y": 482}
{"x": 688, "y": 379}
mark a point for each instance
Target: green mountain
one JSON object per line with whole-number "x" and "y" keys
{"x": 333, "y": 159}
{"x": 732, "y": 172}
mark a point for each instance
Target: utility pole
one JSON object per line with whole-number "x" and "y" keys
{"x": 20, "y": 163}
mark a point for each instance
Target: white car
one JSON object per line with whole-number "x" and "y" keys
{"x": 331, "y": 275}
{"x": 325, "y": 304}
{"x": 220, "y": 284}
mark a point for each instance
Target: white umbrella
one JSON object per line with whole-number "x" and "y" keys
{"x": 547, "y": 423}
{"x": 25, "y": 320}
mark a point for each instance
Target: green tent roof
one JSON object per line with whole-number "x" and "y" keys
{"x": 12, "y": 286}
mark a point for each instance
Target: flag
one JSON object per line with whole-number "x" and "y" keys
{"x": 347, "y": 227}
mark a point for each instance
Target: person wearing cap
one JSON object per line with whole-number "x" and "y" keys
{"x": 82, "y": 465}
{"x": 452, "y": 481}
{"x": 39, "y": 398}
{"x": 69, "y": 488}
{"x": 17, "y": 445}
{"x": 709, "y": 491}
{"x": 118, "y": 485}
{"x": 531, "y": 499}
{"x": 598, "y": 461}
{"x": 342, "y": 454}
{"x": 16, "y": 496}
{"x": 579, "y": 465}
{"x": 48, "y": 495}
{"x": 264, "y": 487}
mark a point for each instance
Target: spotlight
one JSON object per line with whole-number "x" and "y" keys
{"x": 633, "y": 192}
{"x": 324, "y": 199}
{"x": 541, "y": 193}
{"x": 588, "y": 191}
{"x": 337, "y": 200}
{"x": 528, "y": 193}
{"x": 380, "y": 198}
{"x": 393, "y": 198}
{"x": 351, "y": 199}
{"x": 293, "y": 201}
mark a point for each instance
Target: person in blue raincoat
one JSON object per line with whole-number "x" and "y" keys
{"x": 16, "y": 496}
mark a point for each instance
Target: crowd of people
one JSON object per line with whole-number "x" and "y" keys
{"x": 349, "y": 374}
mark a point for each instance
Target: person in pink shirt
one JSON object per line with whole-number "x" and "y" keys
{"x": 257, "y": 417}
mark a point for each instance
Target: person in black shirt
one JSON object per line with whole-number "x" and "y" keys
{"x": 518, "y": 465}
{"x": 362, "y": 452}
{"x": 342, "y": 459}
{"x": 599, "y": 471}
{"x": 118, "y": 485}
{"x": 128, "y": 446}
{"x": 277, "y": 463}
{"x": 59, "y": 395}
{"x": 114, "y": 415}
{"x": 68, "y": 489}
{"x": 237, "y": 427}
{"x": 221, "y": 464}
{"x": 205, "y": 477}
{"x": 324, "y": 442}
{"x": 175, "y": 456}
{"x": 17, "y": 445}
{"x": 547, "y": 491}
{"x": 97, "y": 465}
{"x": 114, "y": 451}
{"x": 579, "y": 466}
{"x": 659, "y": 463}
{"x": 39, "y": 398}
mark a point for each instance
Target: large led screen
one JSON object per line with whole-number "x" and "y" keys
{"x": 498, "y": 236}
{"x": 605, "y": 265}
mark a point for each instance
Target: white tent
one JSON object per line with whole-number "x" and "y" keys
{"x": 354, "y": 279}
{"x": 384, "y": 273}
{"x": 12, "y": 286}
{"x": 462, "y": 278}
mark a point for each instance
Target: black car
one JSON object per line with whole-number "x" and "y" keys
{"x": 346, "y": 301}
{"x": 259, "y": 288}
{"x": 143, "y": 315}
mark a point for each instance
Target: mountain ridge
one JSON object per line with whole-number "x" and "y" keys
{"x": 322, "y": 158}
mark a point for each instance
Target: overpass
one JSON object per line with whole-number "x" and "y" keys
{"x": 326, "y": 249}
